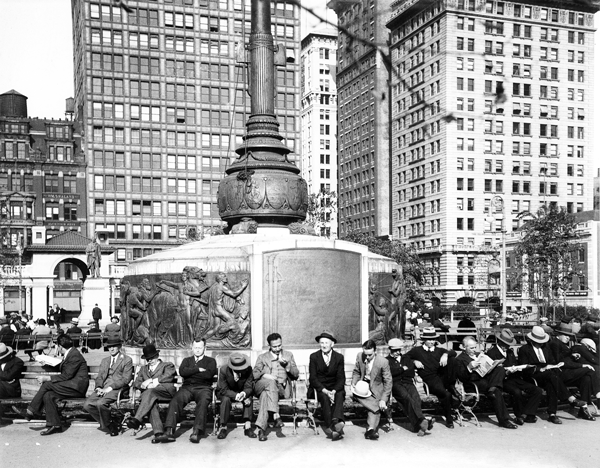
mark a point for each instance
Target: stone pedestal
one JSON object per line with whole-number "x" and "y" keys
{"x": 95, "y": 291}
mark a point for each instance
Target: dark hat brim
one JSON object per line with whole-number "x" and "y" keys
{"x": 113, "y": 342}
{"x": 239, "y": 367}
{"x": 151, "y": 355}
{"x": 325, "y": 335}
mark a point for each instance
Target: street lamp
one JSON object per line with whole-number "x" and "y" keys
{"x": 19, "y": 249}
{"x": 497, "y": 203}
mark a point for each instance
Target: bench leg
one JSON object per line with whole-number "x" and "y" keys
{"x": 310, "y": 419}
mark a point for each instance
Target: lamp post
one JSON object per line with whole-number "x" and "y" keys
{"x": 19, "y": 249}
{"x": 497, "y": 202}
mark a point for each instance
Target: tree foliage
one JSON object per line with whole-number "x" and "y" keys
{"x": 546, "y": 256}
{"x": 322, "y": 209}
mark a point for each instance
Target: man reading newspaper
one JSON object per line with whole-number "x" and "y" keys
{"x": 487, "y": 375}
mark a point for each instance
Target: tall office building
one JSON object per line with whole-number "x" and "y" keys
{"x": 319, "y": 125}
{"x": 363, "y": 116}
{"x": 162, "y": 99}
{"x": 492, "y": 106}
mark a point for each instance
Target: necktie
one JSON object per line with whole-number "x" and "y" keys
{"x": 540, "y": 355}
{"x": 112, "y": 361}
{"x": 327, "y": 358}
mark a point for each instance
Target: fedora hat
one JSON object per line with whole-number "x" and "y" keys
{"x": 92, "y": 322}
{"x": 114, "y": 317}
{"x": 75, "y": 321}
{"x": 506, "y": 336}
{"x": 538, "y": 335}
{"x": 113, "y": 341}
{"x": 585, "y": 341}
{"x": 326, "y": 334}
{"x": 149, "y": 352}
{"x": 429, "y": 333}
{"x": 5, "y": 351}
{"x": 565, "y": 327}
{"x": 238, "y": 362}
{"x": 395, "y": 343}
{"x": 361, "y": 389}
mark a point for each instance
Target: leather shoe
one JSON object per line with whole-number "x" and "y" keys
{"x": 278, "y": 423}
{"x": 250, "y": 433}
{"x": 335, "y": 435}
{"x": 423, "y": 427}
{"x": 157, "y": 438}
{"x": 28, "y": 415}
{"x": 114, "y": 429}
{"x": 338, "y": 426}
{"x": 530, "y": 418}
{"x": 519, "y": 421}
{"x": 577, "y": 403}
{"x": 133, "y": 423}
{"x": 584, "y": 413}
{"x": 554, "y": 419}
{"x": 430, "y": 423}
{"x": 222, "y": 433}
{"x": 450, "y": 424}
{"x": 508, "y": 424}
{"x": 371, "y": 435}
{"x": 51, "y": 430}
{"x": 261, "y": 435}
{"x": 195, "y": 437}
{"x": 169, "y": 436}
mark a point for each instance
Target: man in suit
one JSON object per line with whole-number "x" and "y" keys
{"x": 7, "y": 334}
{"x": 11, "y": 370}
{"x": 491, "y": 383}
{"x": 97, "y": 313}
{"x": 74, "y": 330}
{"x": 236, "y": 383}
{"x": 273, "y": 375}
{"x": 116, "y": 371}
{"x": 327, "y": 378}
{"x": 372, "y": 385}
{"x": 198, "y": 372}
{"x": 585, "y": 353}
{"x": 156, "y": 380}
{"x": 404, "y": 391}
{"x": 435, "y": 368}
{"x": 72, "y": 382}
{"x": 544, "y": 372}
{"x": 526, "y": 396}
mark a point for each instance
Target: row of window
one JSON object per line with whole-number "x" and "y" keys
{"x": 108, "y": 207}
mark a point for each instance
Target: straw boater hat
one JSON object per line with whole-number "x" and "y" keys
{"x": 395, "y": 343}
{"x": 506, "y": 336}
{"x": 361, "y": 389}
{"x": 326, "y": 334}
{"x": 149, "y": 352}
{"x": 538, "y": 335}
{"x": 5, "y": 351}
{"x": 75, "y": 321}
{"x": 238, "y": 362}
{"x": 429, "y": 333}
{"x": 589, "y": 343}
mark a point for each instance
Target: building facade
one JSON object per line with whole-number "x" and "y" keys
{"x": 491, "y": 117}
{"x": 161, "y": 94}
{"x": 363, "y": 116}
{"x": 319, "y": 127}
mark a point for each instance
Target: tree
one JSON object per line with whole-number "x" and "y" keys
{"x": 415, "y": 272}
{"x": 546, "y": 256}
{"x": 322, "y": 209}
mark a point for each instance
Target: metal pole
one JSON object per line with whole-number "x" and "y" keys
{"x": 20, "y": 253}
{"x": 503, "y": 266}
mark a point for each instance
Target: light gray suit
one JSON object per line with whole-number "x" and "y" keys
{"x": 380, "y": 384}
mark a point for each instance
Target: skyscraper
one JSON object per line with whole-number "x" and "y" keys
{"x": 491, "y": 118}
{"x": 319, "y": 125}
{"x": 363, "y": 116}
{"x": 161, "y": 96}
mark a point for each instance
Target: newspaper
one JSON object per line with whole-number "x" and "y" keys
{"x": 486, "y": 364}
{"x": 48, "y": 360}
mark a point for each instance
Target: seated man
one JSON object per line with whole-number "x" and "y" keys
{"x": 585, "y": 353}
{"x": 94, "y": 333}
{"x": 156, "y": 380}
{"x": 198, "y": 372}
{"x": 236, "y": 383}
{"x": 11, "y": 370}
{"x": 116, "y": 371}
{"x": 327, "y": 379}
{"x": 7, "y": 334}
{"x": 404, "y": 391}
{"x": 431, "y": 363}
{"x": 74, "y": 330}
{"x": 113, "y": 328}
{"x": 372, "y": 385}
{"x": 72, "y": 382}
{"x": 491, "y": 383}
{"x": 273, "y": 375}
{"x": 546, "y": 373}
{"x": 526, "y": 396}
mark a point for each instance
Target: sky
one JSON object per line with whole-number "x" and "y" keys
{"x": 36, "y": 53}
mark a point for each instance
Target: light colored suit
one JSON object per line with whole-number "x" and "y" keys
{"x": 269, "y": 391}
{"x": 380, "y": 384}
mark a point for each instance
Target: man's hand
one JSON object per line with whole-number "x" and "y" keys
{"x": 145, "y": 383}
{"x": 576, "y": 356}
{"x": 588, "y": 366}
{"x": 282, "y": 361}
{"x": 43, "y": 378}
{"x": 201, "y": 369}
{"x": 240, "y": 396}
{"x": 419, "y": 365}
{"x": 382, "y": 405}
{"x": 444, "y": 360}
{"x": 473, "y": 365}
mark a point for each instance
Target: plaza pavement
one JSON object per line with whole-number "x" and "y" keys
{"x": 574, "y": 444}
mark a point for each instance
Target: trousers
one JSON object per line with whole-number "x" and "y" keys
{"x": 526, "y": 396}
{"x": 332, "y": 411}
{"x": 99, "y": 407}
{"x": 407, "y": 395}
{"x": 225, "y": 410}
{"x": 268, "y": 392}
{"x": 148, "y": 405}
{"x": 47, "y": 398}
{"x": 201, "y": 395}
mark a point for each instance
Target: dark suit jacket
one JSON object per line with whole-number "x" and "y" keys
{"x": 13, "y": 371}
{"x": 227, "y": 386}
{"x": 116, "y": 377}
{"x": 165, "y": 373}
{"x": 462, "y": 362}
{"x": 587, "y": 357}
{"x": 398, "y": 371}
{"x": 381, "y": 377}
{"x": 73, "y": 372}
{"x": 331, "y": 377}
{"x": 527, "y": 355}
{"x": 7, "y": 335}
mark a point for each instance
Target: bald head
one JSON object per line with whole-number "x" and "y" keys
{"x": 469, "y": 345}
